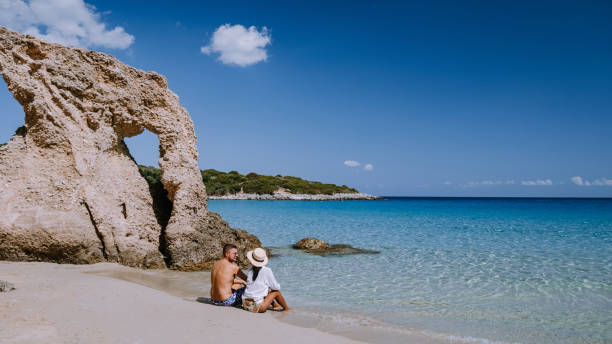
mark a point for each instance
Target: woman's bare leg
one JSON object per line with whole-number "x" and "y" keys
{"x": 282, "y": 302}
{"x": 274, "y": 295}
{"x": 263, "y": 306}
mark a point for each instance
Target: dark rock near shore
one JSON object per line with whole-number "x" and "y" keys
{"x": 6, "y": 286}
{"x": 206, "y": 245}
{"x": 320, "y": 247}
{"x": 311, "y": 244}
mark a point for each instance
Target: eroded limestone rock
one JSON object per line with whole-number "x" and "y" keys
{"x": 69, "y": 190}
{"x": 322, "y": 248}
{"x": 311, "y": 244}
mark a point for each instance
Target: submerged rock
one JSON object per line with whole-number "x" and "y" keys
{"x": 6, "y": 286}
{"x": 70, "y": 192}
{"x": 312, "y": 244}
{"x": 320, "y": 247}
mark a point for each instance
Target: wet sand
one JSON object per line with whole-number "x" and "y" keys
{"x": 110, "y": 303}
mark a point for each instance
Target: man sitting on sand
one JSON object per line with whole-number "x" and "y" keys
{"x": 226, "y": 289}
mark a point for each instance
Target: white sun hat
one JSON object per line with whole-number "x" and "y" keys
{"x": 257, "y": 257}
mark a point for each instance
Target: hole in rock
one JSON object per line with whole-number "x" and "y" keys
{"x": 11, "y": 114}
{"x": 144, "y": 149}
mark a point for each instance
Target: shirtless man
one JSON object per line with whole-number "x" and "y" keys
{"x": 226, "y": 289}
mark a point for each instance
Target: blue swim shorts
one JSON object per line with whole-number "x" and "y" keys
{"x": 234, "y": 299}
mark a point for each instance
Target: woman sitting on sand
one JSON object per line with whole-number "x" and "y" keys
{"x": 262, "y": 288}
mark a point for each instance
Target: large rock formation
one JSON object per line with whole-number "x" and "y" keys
{"x": 69, "y": 190}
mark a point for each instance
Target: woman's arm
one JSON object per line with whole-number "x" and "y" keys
{"x": 238, "y": 273}
{"x": 271, "y": 281}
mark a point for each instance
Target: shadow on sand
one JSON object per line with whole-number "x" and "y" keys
{"x": 208, "y": 301}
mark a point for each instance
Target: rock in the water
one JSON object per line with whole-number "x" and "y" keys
{"x": 312, "y": 244}
{"x": 6, "y": 286}
{"x": 320, "y": 247}
{"x": 70, "y": 192}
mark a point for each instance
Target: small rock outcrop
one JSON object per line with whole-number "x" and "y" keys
{"x": 312, "y": 244}
{"x": 70, "y": 192}
{"x": 320, "y": 247}
{"x": 6, "y": 286}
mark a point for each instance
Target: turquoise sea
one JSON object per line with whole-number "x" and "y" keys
{"x": 465, "y": 269}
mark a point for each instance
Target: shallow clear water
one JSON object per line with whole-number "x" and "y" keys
{"x": 508, "y": 270}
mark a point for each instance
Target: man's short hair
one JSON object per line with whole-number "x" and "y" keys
{"x": 228, "y": 247}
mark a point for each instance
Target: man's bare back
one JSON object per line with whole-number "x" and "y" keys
{"x": 223, "y": 276}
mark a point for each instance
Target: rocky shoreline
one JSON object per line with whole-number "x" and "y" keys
{"x": 285, "y": 196}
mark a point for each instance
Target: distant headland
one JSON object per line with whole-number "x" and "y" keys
{"x": 252, "y": 186}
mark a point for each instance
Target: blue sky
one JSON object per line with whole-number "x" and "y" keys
{"x": 440, "y": 98}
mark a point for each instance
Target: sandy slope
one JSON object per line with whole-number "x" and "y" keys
{"x": 66, "y": 304}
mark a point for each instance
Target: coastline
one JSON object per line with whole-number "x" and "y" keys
{"x": 110, "y": 303}
{"x": 285, "y": 196}
{"x": 65, "y": 303}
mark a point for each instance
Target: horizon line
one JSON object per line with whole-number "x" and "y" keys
{"x": 504, "y": 197}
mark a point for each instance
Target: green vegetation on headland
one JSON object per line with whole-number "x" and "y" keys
{"x": 221, "y": 183}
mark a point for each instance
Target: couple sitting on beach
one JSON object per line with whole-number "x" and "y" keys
{"x": 256, "y": 291}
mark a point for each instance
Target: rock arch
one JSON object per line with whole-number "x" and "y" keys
{"x": 69, "y": 190}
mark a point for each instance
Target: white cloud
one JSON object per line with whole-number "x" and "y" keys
{"x": 537, "y": 182}
{"x": 577, "y": 180}
{"x": 237, "y": 45}
{"x": 603, "y": 182}
{"x": 598, "y": 182}
{"x": 481, "y": 183}
{"x": 448, "y": 182}
{"x": 487, "y": 183}
{"x": 368, "y": 167}
{"x": 352, "y": 163}
{"x": 68, "y": 22}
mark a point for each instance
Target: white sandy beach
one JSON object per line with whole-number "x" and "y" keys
{"x": 110, "y": 303}
{"x": 72, "y": 304}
